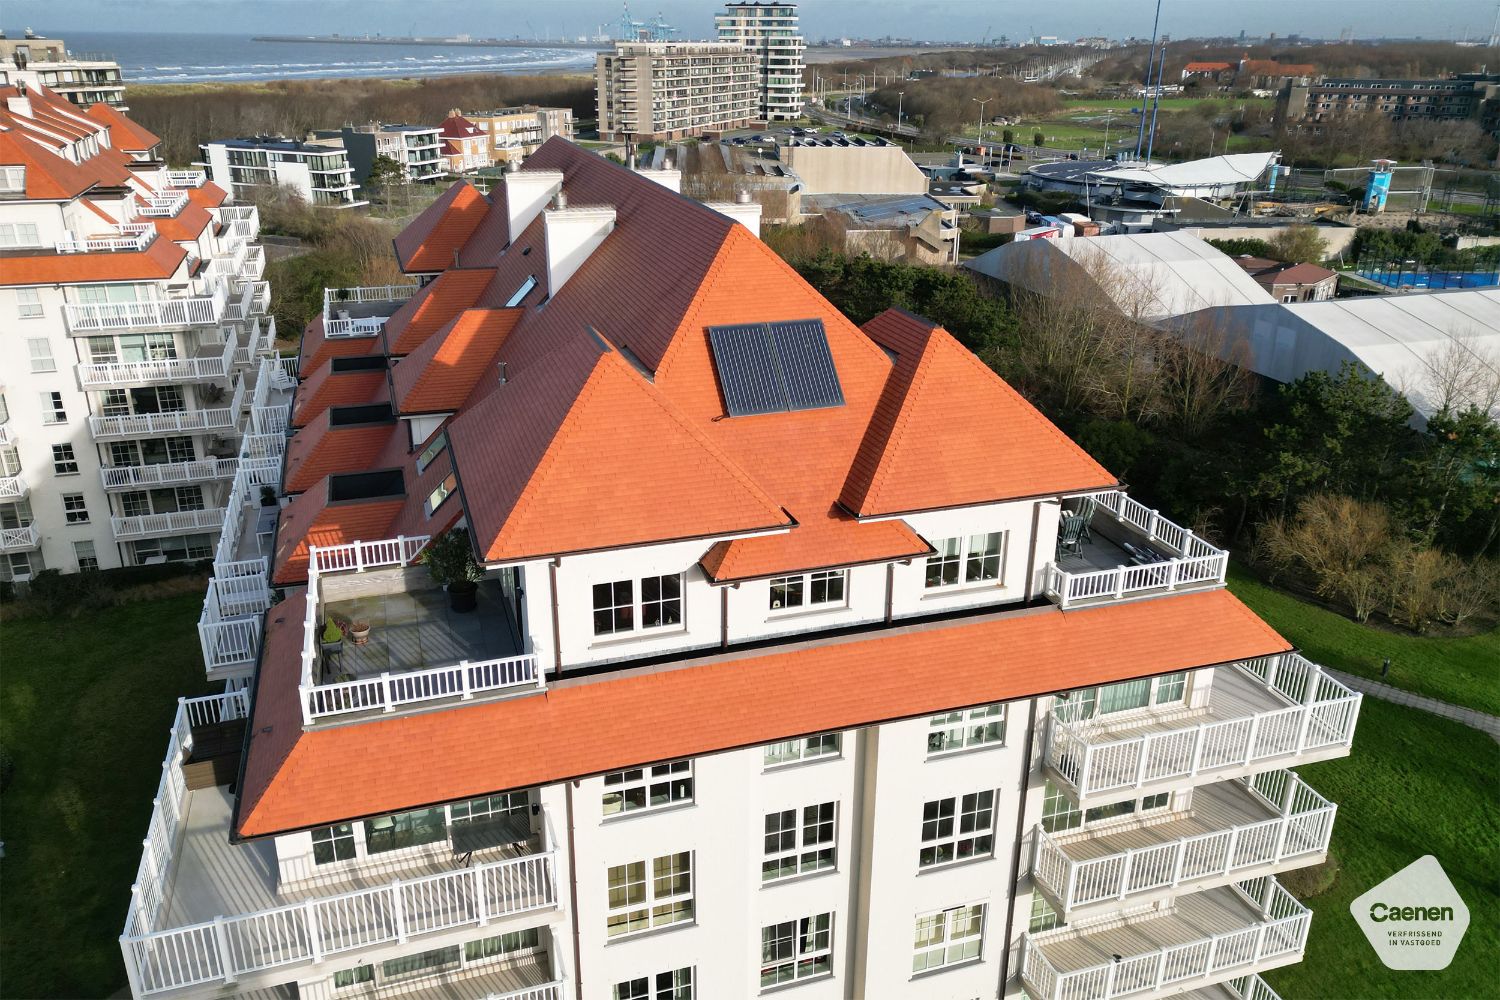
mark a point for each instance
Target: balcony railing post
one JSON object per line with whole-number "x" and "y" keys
{"x": 1125, "y": 873}
{"x": 463, "y": 680}
{"x": 221, "y": 939}
{"x": 1172, "y": 565}
{"x": 314, "y": 933}
{"x": 1151, "y": 525}
{"x": 1109, "y": 980}
{"x": 1234, "y": 838}
{"x": 481, "y": 911}
{"x": 1250, "y": 742}
{"x": 398, "y": 912}
{"x": 1119, "y": 582}
{"x": 1178, "y": 863}
{"x": 1161, "y": 969}
{"x": 1213, "y": 948}
{"x": 1142, "y": 761}
{"x": 132, "y": 971}
{"x": 385, "y": 693}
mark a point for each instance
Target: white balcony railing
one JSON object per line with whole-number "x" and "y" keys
{"x": 184, "y": 178}
{"x": 127, "y": 237}
{"x": 1302, "y": 826}
{"x": 204, "y": 310}
{"x": 163, "y": 371}
{"x": 13, "y": 487}
{"x": 8, "y": 434}
{"x": 22, "y": 539}
{"x": 1322, "y": 715}
{"x": 335, "y": 299}
{"x": 253, "y": 301}
{"x": 1192, "y": 561}
{"x": 1276, "y": 939}
{"x": 173, "y": 523}
{"x": 175, "y": 422}
{"x": 164, "y": 205}
{"x": 124, "y": 477}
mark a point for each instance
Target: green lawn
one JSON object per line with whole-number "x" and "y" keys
{"x": 1463, "y": 671}
{"x": 85, "y": 708}
{"x": 1414, "y": 784}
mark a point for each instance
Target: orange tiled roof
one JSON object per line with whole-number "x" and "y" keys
{"x": 822, "y": 543}
{"x": 311, "y": 520}
{"x": 434, "y": 307}
{"x": 1205, "y": 67}
{"x": 159, "y": 260}
{"x": 942, "y": 400}
{"x": 316, "y": 350}
{"x": 432, "y": 239}
{"x": 319, "y": 449}
{"x": 49, "y": 177}
{"x": 123, "y": 133}
{"x": 325, "y": 388}
{"x": 295, "y": 779}
{"x": 441, "y": 373}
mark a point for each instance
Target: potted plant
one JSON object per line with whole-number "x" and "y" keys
{"x": 359, "y": 633}
{"x": 450, "y": 560}
{"x": 268, "y": 496}
{"x": 333, "y": 637}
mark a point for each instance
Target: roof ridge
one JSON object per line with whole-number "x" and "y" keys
{"x": 902, "y": 420}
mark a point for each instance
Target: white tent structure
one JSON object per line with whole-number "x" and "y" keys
{"x": 1213, "y": 177}
{"x": 1149, "y": 276}
{"x": 1436, "y": 348}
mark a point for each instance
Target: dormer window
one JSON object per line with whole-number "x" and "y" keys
{"x": 12, "y": 179}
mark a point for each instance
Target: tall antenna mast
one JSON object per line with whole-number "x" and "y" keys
{"x": 1140, "y": 135}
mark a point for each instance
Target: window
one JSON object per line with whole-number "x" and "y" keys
{"x": 444, "y": 490}
{"x": 83, "y": 551}
{"x": 333, "y": 843}
{"x": 661, "y": 601}
{"x": 785, "y": 857}
{"x": 136, "y": 503}
{"x": 1087, "y": 703}
{"x": 674, "y": 985}
{"x": 504, "y": 804}
{"x": 648, "y": 787}
{"x": 637, "y": 903}
{"x": 978, "y": 557}
{"x": 824, "y": 587}
{"x": 13, "y": 179}
{"x": 615, "y": 608}
{"x": 188, "y": 497}
{"x": 53, "y": 411}
{"x": 1059, "y": 814}
{"x": 64, "y": 462}
{"x": 426, "y": 964}
{"x": 948, "y": 938}
{"x": 19, "y": 234}
{"x": 430, "y": 452}
{"x": 956, "y": 829}
{"x": 520, "y": 293}
{"x": 809, "y": 748}
{"x": 796, "y": 949}
{"x": 408, "y": 829}
{"x": 345, "y": 978}
{"x": 1170, "y": 687}
{"x": 503, "y": 946}
{"x": 964, "y": 730}
{"x": 75, "y": 509}
{"x": 28, "y": 303}
{"x": 1043, "y": 916}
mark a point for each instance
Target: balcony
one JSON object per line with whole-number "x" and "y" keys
{"x": 8, "y": 434}
{"x": 1262, "y": 714}
{"x": 1244, "y": 988}
{"x": 208, "y": 367}
{"x": 127, "y": 237}
{"x": 1231, "y": 832}
{"x": 22, "y": 539}
{"x": 1130, "y": 551}
{"x": 1205, "y": 939}
{"x": 184, "y": 178}
{"x": 164, "y": 205}
{"x": 161, "y": 525}
{"x": 239, "y": 221}
{"x": 133, "y": 477}
{"x": 132, "y": 425}
{"x": 205, "y": 911}
{"x": 153, "y": 314}
{"x": 361, "y": 312}
{"x": 13, "y": 487}
{"x": 418, "y": 650}
{"x": 254, "y": 300}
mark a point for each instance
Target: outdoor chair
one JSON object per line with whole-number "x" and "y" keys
{"x": 1086, "y": 511}
{"x": 1070, "y": 535}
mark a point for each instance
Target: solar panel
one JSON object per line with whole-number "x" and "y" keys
{"x": 775, "y": 367}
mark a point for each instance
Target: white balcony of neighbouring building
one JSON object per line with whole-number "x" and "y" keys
{"x": 212, "y": 419}
{"x": 212, "y": 365}
{"x": 204, "y": 910}
{"x": 180, "y": 522}
{"x": 22, "y": 539}
{"x": 362, "y": 312}
{"x": 13, "y": 487}
{"x": 162, "y": 206}
{"x": 416, "y": 651}
{"x": 1231, "y": 831}
{"x": 1111, "y": 548}
{"x": 133, "y": 477}
{"x": 127, "y": 237}
{"x": 8, "y": 434}
{"x": 1262, "y": 714}
{"x": 1243, "y": 988}
{"x": 254, "y": 299}
{"x": 240, "y": 222}
{"x": 1200, "y": 940}
{"x": 152, "y": 314}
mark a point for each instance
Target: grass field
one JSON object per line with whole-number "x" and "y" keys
{"x": 1414, "y": 785}
{"x": 1463, "y": 671}
{"x": 85, "y": 705}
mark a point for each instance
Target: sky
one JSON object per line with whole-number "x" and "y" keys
{"x": 949, "y": 20}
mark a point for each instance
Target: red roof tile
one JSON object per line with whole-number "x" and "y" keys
{"x": 326, "y": 387}
{"x": 434, "y": 307}
{"x": 822, "y": 543}
{"x": 49, "y": 177}
{"x": 431, "y": 240}
{"x": 319, "y": 449}
{"x": 577, "y": 728}
{"x": 123, "y": 133}
{"x": 440, "y": 374}
{"x": 310, "y": 520}
{"x": 159, "y": 260}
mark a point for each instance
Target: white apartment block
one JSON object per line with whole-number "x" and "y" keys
{"x": 135, "y": 319}
{"x": 814, "y": 683}
{"x": 770, "y": 31}
{"x": 417, "y": 148}
{"x": 83, "y": 78}
{"x": 319, "y": 171}
{"x": 669, "y": 90}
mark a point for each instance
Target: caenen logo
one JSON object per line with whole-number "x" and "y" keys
{"x": 1414, "y": 919}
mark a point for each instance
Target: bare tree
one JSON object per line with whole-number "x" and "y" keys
{"x": 1463, "y": 372}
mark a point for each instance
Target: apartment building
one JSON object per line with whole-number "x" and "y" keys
{"x": 1469, "y": 97}
{"x": 417, "y": 148}
{"x": 801, "y": 654}
{"x": 317, "y": 170}
{"x": 515, "y": 133}
{"x": 83, "y": 78}
{"x": 770, "y": 31}
{"x": 135, "y": 315}
{"x": 670, "y": 90}
{"x": 465, "y": 146}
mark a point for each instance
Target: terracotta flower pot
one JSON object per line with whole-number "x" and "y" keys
{"x": 359, "y": 633}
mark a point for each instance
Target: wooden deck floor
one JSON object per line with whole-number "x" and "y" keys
{"x": 1196, "y": 917}
{"x": 1234, "y": 695}
{"x": 1215, "y": 807}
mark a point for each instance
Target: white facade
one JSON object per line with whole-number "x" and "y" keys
{"x": 668, "y": 90}
{"x": 84, "y": 78}
{"x": 317, "y": 171}
{"x": 770, "y": 31}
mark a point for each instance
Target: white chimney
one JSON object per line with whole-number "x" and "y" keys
{"x": 742, "y": 210}
{"x": 20, "y": 105}
{"x": 526, "y": 194}
{"x": 573, "y": 234}
{"x": 666, "y": 178}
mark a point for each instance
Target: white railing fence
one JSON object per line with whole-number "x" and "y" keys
{"x": 167, "y": 473}
{"x": 173, "y": 422}
{"x": 1304, "y": 824}
{"x": 203, "y": 310}
{"x": 13, "y": 486}
{"x": 163, "y": 370}
{"x": 164, "y": 205}
{"x": 127, "y": 237}
{"x": 28, "y": 536}
{"x": 1092, "y": 762}
{"x": 146, "y": 525}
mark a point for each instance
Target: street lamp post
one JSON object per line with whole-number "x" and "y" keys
{"x": 900, "y": 103}
{"x": 981, "y": 117}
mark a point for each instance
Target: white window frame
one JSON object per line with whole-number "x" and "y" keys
{"x": 18, "y": 235}
{"x": 13, "y": 178}
{"x": 962, "y": 552}
{"x": 441, "y": 493}
{"x": 966, "y": 729}
{"x": 1083, "y": 704}
{"x": 958, "y": 824}
{"x": 63, "y": 456}
{"x": 952, "y": 939}
{"x": 820, "y": 746}
{"x": 40, "y": 351}
{"x": 334, "y": 836}
{"x": 437, "y": 447}
{"x": 674, "y": 984}
{"x": 652, "y": 898}
{"x": 799, "y": 592}
{"x": 803, "y": 935}
{"x": 75, "y": 508}
{"x": 29, "y": 303}
{"x": 810, "y": 844}
{"x": 634, "y": 601}
{"x": 658, "y": 783}
{"x": 85, "y": 555}
{"x": 54, "y": 410}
